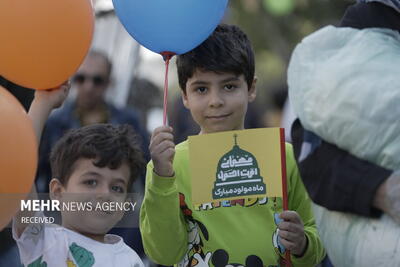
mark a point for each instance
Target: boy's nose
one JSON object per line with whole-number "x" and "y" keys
{"x": 103, "y": 192}
{"x": 216, "y": 100}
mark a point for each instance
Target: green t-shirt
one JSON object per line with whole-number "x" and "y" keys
{"x": 220, "y": 233}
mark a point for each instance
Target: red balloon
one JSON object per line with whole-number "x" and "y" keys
{"x": 18, "y": 156}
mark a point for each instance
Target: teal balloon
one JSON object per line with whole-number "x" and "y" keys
{"x": 175, "y": 26}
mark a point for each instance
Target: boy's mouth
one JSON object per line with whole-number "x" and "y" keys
{"x": 218, "y": 117}
{"x": 103, "y": 212}
{"x": 108, "y": 212}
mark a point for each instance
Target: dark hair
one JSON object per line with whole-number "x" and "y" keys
{"x": 371, "y": 15}
{"x": 226, "y": 50}
{"x": 106, "y": 144}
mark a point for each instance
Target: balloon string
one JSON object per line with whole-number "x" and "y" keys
{"x": 167, "y": 56}
{"x": 165, "y": 93}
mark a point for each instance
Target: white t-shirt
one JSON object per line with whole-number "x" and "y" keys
{"x": 49, "y": 245}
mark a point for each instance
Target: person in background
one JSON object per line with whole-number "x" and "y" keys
{"x": 89, "y": 107}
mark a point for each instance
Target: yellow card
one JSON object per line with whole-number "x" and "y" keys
{"x": 236, "y": 164}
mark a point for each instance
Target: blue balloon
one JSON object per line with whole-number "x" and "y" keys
{"x": 175, "y": 26}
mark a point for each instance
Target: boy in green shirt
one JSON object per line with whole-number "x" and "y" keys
{"x": 217, "y": 81}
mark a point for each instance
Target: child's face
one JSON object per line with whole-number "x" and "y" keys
{"x": 91, "y": 184}
{"x": 218, "y": 101}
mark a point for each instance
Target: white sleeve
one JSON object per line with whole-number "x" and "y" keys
{"x": 34, "y": 240}
{"x": 133, "y": 258}
{"x": 137, "y": 261}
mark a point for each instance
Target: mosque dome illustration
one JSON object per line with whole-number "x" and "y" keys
{"x": 238, "y": 174}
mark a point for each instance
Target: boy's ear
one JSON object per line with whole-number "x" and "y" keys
{"x": 55, "y": 188}
{"x": 185, "y": 99}
{"x": 253, "y": 90}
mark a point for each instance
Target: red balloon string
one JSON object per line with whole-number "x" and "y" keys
{"x": 167, "y": 57}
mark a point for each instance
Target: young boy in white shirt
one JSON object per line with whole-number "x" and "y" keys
{"x": 94, "y": 164}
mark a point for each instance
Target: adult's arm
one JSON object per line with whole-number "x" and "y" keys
{"x": 336, "y": 179}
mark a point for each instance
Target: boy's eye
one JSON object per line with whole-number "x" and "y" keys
{"x": 229, "y": 87}
{"x": 90, "y": 182}
{"x": 201, "y": 90}
{"x": 118, "y": 189}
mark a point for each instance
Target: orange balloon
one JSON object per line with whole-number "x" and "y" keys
{"x": 18, "y": 156}
{"x": 43, "y": 42}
